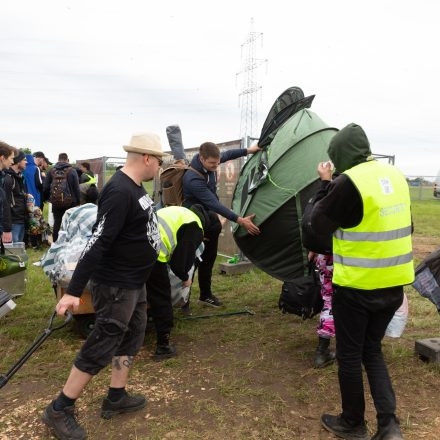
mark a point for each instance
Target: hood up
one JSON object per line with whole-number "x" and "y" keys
{"x": 349, "y": 147}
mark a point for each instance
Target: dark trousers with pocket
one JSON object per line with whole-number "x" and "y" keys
{"x": 159, "y": 300}
{"x": 361, "y": 318}
{"x": 121, "y": 319}
{"x": 209, "y": 255}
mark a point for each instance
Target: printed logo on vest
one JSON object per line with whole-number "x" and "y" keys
{"x": 385, "y": 183}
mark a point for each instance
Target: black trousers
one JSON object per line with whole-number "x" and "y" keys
{"x": 159, "y": 300}
{"x": 57, "y": 217}
{"x": 361, "y": 318}
{"x": 209, "y": 255}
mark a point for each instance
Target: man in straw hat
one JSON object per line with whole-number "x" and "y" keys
{"x": 117, "y": 259}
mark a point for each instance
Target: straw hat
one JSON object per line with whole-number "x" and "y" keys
{"x": 145, "y": 143}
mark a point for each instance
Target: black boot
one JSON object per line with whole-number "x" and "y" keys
{"x": 342, "y": 428}
{"x": 125, "y": 404}
{"x": 164, "y": 349}
{"x": 390, "y": 431}
{"x": 63, "y": 423}
{"x": 323, "y": 355}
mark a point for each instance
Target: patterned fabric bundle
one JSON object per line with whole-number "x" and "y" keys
{"x": 76, "y": 228}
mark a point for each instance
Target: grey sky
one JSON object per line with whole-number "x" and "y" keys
{"x": 82, "y": 76}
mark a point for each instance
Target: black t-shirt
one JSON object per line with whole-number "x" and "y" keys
{"x": 125, "y": 241}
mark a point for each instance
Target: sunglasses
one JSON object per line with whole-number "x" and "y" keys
{"x": 159, "y": 160}
{"x": 157, "y": 157}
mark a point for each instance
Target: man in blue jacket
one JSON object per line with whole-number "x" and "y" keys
{"x": 200, "y": 187}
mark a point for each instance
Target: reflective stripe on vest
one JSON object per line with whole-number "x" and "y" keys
{"x": 170, "y": 219}
{"x": 378, "y": 252}
{"x": 373, "y": 236}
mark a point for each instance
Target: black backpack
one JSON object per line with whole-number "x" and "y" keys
{"x": 320, "y": 244}
{"x": 60, "y": 194}
{"x": 302, "y": 296}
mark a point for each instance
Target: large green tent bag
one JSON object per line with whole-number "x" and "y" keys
{"x": 275, "y": 184}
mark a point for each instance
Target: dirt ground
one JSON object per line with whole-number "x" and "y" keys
{"x": 423, "y": 246}
{"x": 217, "y": 391}
{"x": 245, "y": 377}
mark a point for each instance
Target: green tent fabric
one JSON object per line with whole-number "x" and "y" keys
{"x": 275, "y": 184}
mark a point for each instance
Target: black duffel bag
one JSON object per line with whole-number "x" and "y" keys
{"x": 302, "y": 296}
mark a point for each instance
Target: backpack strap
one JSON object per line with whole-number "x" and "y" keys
{"x": 190, "y": 168}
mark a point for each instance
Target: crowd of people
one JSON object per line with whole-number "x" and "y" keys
{"x": 366, "y": 209}
{"x": 26, "y": 183}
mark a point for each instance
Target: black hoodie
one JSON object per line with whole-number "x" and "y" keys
{"x": 14, "y": 209}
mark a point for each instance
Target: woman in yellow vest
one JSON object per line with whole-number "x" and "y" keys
{"x": 367, "y": 208}
{"x": 181, "y": 233}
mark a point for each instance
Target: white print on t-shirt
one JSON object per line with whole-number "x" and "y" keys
{"x": 152, "y": 228}
{"x": 96, "y": 234}
{"x": 387, "y": 188}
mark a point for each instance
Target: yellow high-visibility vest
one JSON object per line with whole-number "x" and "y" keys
{"x": 378, "y": 252}
{"x": 93, "y": 180}
{"x": 170, "y": 219}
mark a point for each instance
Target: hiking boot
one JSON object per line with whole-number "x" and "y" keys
{"x": 391, "y": 431}
{"x": 63, "y": 423}
{"x": 125, "y": 404}
{"x": 341, "y": 428}
{"x": 323, "y": 359}
{"x": 323, "y": 355}
{"x": 164, "y": 351}
{"x": 211, "y": 300}
{"x": 186, "y": 309}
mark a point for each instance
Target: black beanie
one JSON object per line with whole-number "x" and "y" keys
{"x": 20, "y": 156}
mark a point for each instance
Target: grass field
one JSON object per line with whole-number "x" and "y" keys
{"x": 242, "y": 377}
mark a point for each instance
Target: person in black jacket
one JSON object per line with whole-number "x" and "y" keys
{"x": 6, "y": 160}
{"x": 71, "y": 191}
{"x": 117, "y": 259}
{"x": 361, "y": 315}
{"x": 14, "y": 210}
{"x": 201, "y": 188}
{"x": 41, "y": 162}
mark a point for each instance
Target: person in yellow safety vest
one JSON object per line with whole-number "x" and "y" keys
{"x": 367, "y": 208}
{"x": 181, "y": 232}
{"x": 87, "y": 185}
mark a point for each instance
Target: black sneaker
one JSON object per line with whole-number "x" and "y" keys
{"x": 341, "y": 428}
{"x": 125, "y": 404}
{"x": 164, "y": 351}
{"x": 391, "y": 431}
{"x": 63, "y": 423}
{"x": 211, "y": 301}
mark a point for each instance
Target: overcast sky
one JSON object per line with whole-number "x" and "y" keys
{"x": 82, "y": 76}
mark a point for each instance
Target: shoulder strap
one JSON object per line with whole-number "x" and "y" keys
{"x": 197, "y": 172}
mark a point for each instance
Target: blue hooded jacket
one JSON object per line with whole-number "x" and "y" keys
{"x": 29, "y": 177}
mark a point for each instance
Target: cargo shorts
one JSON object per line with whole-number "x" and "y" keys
{"x": 121, "y": 319}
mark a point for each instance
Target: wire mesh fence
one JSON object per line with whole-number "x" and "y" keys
{"x": 424, "y": 187}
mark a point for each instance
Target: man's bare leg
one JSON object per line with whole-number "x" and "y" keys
{"x": 76, "y": 382}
